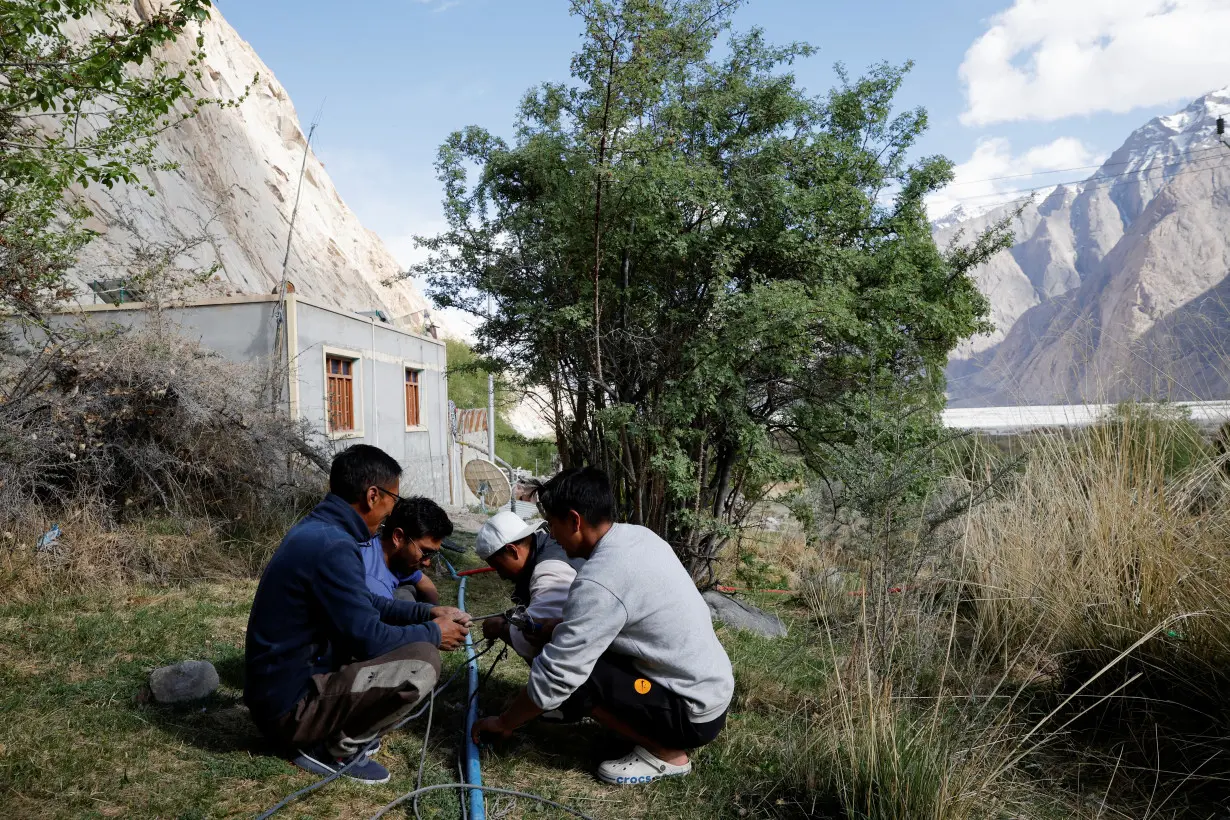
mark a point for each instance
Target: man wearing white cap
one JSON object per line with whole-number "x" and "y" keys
{"x": 522, "y": 552}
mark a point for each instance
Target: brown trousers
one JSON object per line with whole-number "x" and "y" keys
{"x": 358, "y": 703}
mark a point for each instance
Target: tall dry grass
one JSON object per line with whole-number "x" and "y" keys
{"x": 1058, "y": 649}
{"x": 159, "y": 460}
{"x": 1105, "y": 566}
{"x": 1106, "y": 534}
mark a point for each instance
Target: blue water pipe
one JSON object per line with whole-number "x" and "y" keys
{"x": 471, "y": 764}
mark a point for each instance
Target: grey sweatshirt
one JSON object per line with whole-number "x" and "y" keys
{"x": 634, "y": 598}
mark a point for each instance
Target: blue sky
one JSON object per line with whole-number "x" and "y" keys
{"x": 1012, "y": 86}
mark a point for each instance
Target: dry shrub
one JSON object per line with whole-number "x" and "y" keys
{"x": 101, "y": 431}
{"x": 872, "y": 755}
{"x": 1107, "y": 534}
{"x": 1102, "y": 574}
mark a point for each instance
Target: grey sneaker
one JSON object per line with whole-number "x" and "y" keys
{"x": 358, "y": 767}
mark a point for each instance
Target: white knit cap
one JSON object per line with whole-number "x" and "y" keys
{"x": 502, "y": 529}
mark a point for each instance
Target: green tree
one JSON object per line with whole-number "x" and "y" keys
{"x": 84, "y": 96}
{"x": 709, "y": 271}
{"x": 467, "y": 388}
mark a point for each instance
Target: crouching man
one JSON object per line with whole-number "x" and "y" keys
{"x": 329, "y": 666}
{"x": 393, "y": 561}
{"x": 540, "y": 569}
{"x": 636, "y": 649}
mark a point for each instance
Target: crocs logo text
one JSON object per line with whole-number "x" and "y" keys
{"x": 630, "y": 780}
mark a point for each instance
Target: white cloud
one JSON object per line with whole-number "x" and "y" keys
{"x": 994, "y": 175}
{"x": 1048, "y": 59}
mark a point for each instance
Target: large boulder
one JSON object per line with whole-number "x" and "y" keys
{"x": 740, "y": 615}
{"x": 183, "y": 682}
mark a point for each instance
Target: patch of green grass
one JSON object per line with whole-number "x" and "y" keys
{"x": 75, "y": 741}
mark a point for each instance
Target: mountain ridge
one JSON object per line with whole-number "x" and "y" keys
{"x": 230, "y": 199}
{"x": 1097, "y": 300}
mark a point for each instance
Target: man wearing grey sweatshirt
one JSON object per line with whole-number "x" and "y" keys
{"x": 635, "y": 647}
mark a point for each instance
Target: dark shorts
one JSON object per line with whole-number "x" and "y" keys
{"x": 645, "y": 705}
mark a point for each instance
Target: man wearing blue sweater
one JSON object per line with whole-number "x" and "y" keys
{"x": 329, "y": 666}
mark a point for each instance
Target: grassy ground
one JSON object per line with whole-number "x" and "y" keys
{"x": 76, "y": 740}
{"x": 1058, "y": 652}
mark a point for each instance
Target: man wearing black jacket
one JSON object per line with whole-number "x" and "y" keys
{"x": 329, "y": 666}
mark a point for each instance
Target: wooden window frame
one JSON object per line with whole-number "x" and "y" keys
{"x": 415, "y": 367}
{"x": 356, "y": 382}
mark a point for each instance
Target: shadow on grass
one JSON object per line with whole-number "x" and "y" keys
{"x": 220, "y": 724}
{"x": 1156, "y": 731}
{"x": 561, "y": 746}
{"x": 230, "y": 671}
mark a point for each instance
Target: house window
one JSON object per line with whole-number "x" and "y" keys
{"x": 340, "y": 375}
{"x": 414, "y": 398}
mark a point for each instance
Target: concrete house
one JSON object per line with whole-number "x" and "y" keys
{"x": 354, "y": 377}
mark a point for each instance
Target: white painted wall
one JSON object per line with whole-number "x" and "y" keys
{"x": 1029, "y": 417}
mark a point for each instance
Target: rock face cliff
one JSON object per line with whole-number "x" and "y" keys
{"x": 1119, "y": 286}
{"x": 231, "y": 198}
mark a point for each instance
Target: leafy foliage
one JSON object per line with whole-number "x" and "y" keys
{"x": 83, "y": 97}
{"x": 467, "y": 387}
{"x": 708, "y": 270}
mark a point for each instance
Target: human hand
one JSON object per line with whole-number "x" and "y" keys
{"x": 452, "y": 633}
{"x": 490, "y": 726}
{"x": 452, "y": 613}
{"x": 494, "y": 628}
{"x": 542, "y": 636}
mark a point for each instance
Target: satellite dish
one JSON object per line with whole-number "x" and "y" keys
{"x": 488, "y": 483}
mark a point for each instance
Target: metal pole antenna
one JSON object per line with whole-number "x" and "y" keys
{"x": 490, "y": 401}
{"x": 279, "y": 333}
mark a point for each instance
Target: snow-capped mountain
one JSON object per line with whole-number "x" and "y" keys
{"x": 1115, "y": 287}
{"x": 235, "y": 188}
{"x": 962, "y": 213}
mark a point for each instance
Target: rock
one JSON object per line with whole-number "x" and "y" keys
{"x": 228, "y": 186}
{"x": 739, "y": 615}
{"x": 184, "y": 681}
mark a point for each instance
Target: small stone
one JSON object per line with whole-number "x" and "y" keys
{"x": 184, "y": 681}
{"x": 740, "y": 615}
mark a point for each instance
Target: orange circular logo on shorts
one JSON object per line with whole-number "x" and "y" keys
{"x": 642, "y": 686}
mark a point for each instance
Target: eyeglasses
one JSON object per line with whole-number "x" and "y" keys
{"x": 396, "y": 498}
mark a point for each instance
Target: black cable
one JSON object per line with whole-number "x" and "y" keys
{"x": 418, "y": 783}
{"x": 465, "y": 804}
{"x": 1091, "y": 183}
{"x": 1205, "y": 150}
{"x": 490, "y": 671}
{"x": 491, "y": 789}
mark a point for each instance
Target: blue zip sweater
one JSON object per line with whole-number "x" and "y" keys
{"x": 313, "y": 613}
